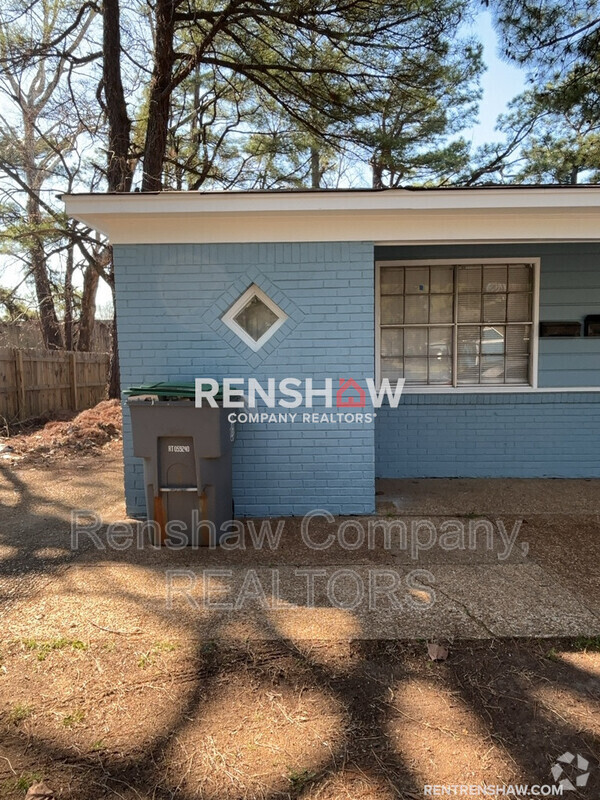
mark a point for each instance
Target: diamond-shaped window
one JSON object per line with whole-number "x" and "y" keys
{"x": 254, "y": 317}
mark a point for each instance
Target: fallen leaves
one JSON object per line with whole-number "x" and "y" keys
{"x": 437, "y": 652}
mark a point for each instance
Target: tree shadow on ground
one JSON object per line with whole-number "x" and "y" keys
{"x": 390, "y": 737}
{"x": 496, "y": 683}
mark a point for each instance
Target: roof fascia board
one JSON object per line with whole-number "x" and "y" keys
{"x": 396, "y": 215}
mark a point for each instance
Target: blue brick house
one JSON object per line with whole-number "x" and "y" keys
{"x": 482, "y": 299}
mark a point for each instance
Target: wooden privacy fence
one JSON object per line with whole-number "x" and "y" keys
{"x": 36, "y": 382}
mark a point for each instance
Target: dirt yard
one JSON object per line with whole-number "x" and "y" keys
{"x": 106, "y": 692}
{"x": 118, "y": 715}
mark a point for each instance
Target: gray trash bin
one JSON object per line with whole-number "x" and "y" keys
{"x": 187, "y": 467}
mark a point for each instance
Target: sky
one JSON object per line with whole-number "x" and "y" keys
{"x": 500, "y": 83}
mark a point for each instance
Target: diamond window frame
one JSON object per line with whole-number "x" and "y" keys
{"x": 454, "y": 386}
{"x": 229, "y": 317}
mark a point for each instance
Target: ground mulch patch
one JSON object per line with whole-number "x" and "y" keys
{"x": 126, "y": 716}
{"x": 48, "y": 441}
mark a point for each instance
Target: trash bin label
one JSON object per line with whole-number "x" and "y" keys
{"x": 178, "y": 448}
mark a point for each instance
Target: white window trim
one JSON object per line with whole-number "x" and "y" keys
{"x": 473, "y": 388}
{"x": 229, "y": 317}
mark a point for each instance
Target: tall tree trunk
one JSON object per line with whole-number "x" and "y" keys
{"x": 160, "y": 97}
{"x": 120, "y": 167}
{"x": 49, "y": 323}
{"x": 377, "y": 175}
{"x": 88, "y": 308}
{"x": 120, "y": 164}
{"x": 574, "y": 177}
{"x": 68, "y": 300}
{"x": 114, "y": 378}
{"x": 315, "y": 167}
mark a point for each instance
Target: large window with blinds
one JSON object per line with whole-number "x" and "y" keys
{"x": 462, "y": 324}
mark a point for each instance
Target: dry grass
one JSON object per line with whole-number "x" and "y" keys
{"x": 133, "y": 718}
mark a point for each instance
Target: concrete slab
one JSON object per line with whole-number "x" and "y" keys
{"x": 488, "y": 496}
{"x": 516, "y": 600}
{"x": 499, "y": 558}
{"x": 328, "y": 603}
{"x": 567, "y": 547}
{"x": 240, "y": 603}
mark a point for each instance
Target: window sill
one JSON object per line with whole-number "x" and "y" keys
{"x": 515, "y": 389}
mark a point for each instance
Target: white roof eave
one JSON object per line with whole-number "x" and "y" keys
{"x": 504, "y": 214}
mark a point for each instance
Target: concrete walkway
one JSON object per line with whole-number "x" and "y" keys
{"x": 442, "y": 559}
{"x": 559, "y": 532}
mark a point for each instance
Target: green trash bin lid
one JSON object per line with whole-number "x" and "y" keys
{"x": 182, "y": 390}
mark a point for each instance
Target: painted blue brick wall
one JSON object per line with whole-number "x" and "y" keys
{"x": 554, "y": 434}
{"x": 170, "y": 300}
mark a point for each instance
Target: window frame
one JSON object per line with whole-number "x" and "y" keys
{"x": 229, "y": 317}
{"x": 532, "y": 385}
